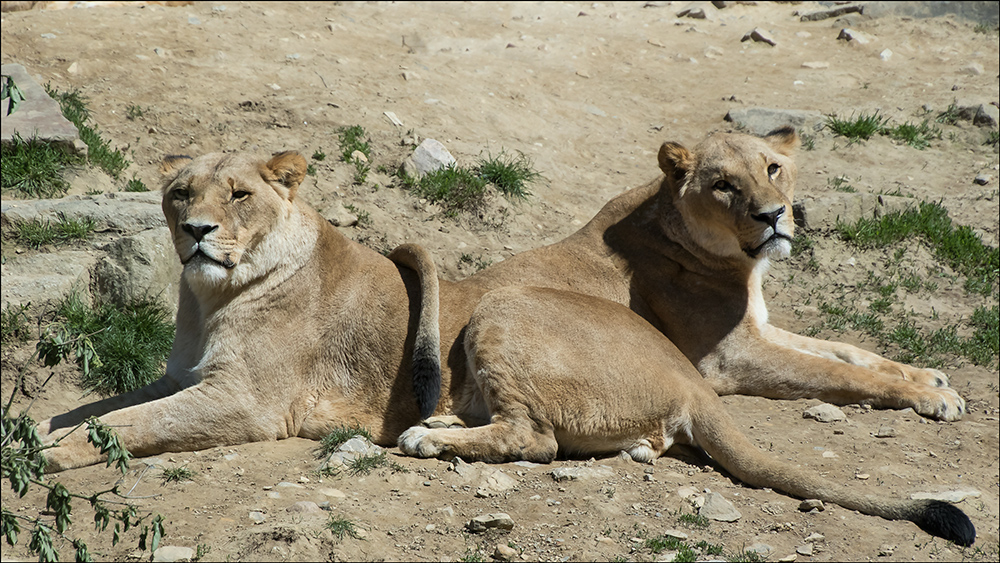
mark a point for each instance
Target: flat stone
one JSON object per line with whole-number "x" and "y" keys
{"x": 814, "y": 537}
{"x": 855, "y": 36}
{"x": 504, "y": 552}
{"x": 38, "y": 116}
{"x": 806, "y": 550}
{"x": 675, "y": 534}
{"x": 957, "y": 495}
{"x": 495, "y": 483}
{"x": 885, "y": 432}
{"x": 811, "y": 504}
{"x": 885, "y": 55}
{"x": 685, "y": 492}
{"x": 982, "y": 179}
{"x": 698, "y": 11}
{"x": 257, "y": 517}
{"x": 430, "y": 155}
{"x": 825, "y": 413}
{"x": 760, "y": 36}
{"x": 38, "y": 278}
{"x": 816, "y": 65}
{"x": 332, "y": 493}
{"x": 581, "y": 473}
{"x": 832, "y": 13}
{"x": 172, "y": 553}
{"x": 123, "y": 212}
{"x": 973, "y": 69}
{"x": 305, "y": 507}
{"x": 485, "y": 522}
{"x": 718, "y": 508}
{"x": 761, "y": 121}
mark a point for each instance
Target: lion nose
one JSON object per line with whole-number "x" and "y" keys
{"x": 198, "y": 231}
{"x": 770, "y": 217}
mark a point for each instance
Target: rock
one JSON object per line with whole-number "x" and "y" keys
{"x": 957, "y": 495}
{"x": 718, "y": 508}
{"x": 885, "y": 55}
{"x": 760, "y": 36}
{"x": 761, "y": 121}
{"x": 504, "y": 552}
{"x": 814, "y": 537}
{"x": 885, "y": 432}
{"x": 485, "y": 522}
{"x": 806, "y": 550}
{"x": 811, "y": 504}
{"x": 38, "y": 278}
{"x": 430, "y": 155}
{"x": 698, "y": 11}
{"x": 983, "y": 179}
{"x": 352, "y": 449}
{"x": 581, "y": 473}
{"x": 788, "y": 558}
{"x": 495, "y": 483}
{"x": 289, "y": 485}
{"x": 339, "y": 216}
{"x": 825, "y": 413}
{"x": 170, "y": 553}
{"x": 816, "y": 65}
{"x": 832, "y": 13}
{"x": 305, "y": 507}
{"x": 886, "y": 550}
{"x": 257, "y": 517}
{"x": 973, "y": 69}
{"x": 762, "y": 549}
{"x": 854, "y": 36}
{"x": 124, "y": 212}
{"x": 712, "y": 52}
{"x": 675, "y": 534}
{"x": 141, "y": 265}
{"x": 332, "y": 493}
{"x": 685, "y": 492}
{"x": 358, "y": 156}
{"x": 987, "y": 115}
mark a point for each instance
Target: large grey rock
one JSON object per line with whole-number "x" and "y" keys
{"x": 38, "y": 116}
{"x": 760, "y": 36}
{"x": 482, "y": 523}
{"x": 351, "y": 450}
{"x": 979, "y": 113}
{"x": 832, "y": 13}
{"x": 41, "y": 278}
{"x": 716, "y": 507}
{"x": 582, "y": 473}
{"x": 823, "y": 212}
{"x": 144, "y": 264}
{"x": 430, "y": 155}
{"x": 495, "y": 483}
{"x": 761, "y": 121}
{"x": 123, "y": 212}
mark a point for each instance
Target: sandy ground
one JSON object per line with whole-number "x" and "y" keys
{"x": 588, "y": 92}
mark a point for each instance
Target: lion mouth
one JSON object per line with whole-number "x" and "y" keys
{"x": 227, "y": 263}
{"x": 755, "y": 252}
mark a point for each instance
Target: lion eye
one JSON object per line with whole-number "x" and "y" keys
{"x": 180, "y": 194}
{"x": 240, "y": 195}
{"x": 772, "y": 170}
{"x": 724, "y": 186}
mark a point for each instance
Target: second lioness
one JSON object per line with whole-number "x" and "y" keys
{"x": 687, "y": 252}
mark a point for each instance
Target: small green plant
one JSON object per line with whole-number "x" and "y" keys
{"x": 808, "y": 141}
{"x": 950, "y": 115}
{"x": 14, "y": 323}
{"x": 201, "y": 551}
{"x": 478, "y": 262}
{"x": 310, "y": 169}
{"x": 133, "y": 112}
{"x": 916, "y": 136}
{"x": 744, "y": 556}
{"x": 361, "y": 170}
{"x": 510, "y": 174}
{"x": 319, "y": 156}
{"x": 841, "y": 184}
{"x": 130, "y": 341}
{"x": 364, "y": 218}
{"x": 454, "y": 189}
{"x": 986, "y": 29}
{"x": 36, "y": 234}
{"x": 177, "y": 474}
{"x": 329, "y": 443}
{"x": 33, "y": 168}
{"x": 341, "y": 527}
{"x": 135, "y": 185}
{"x": 992, "y": 138}
{"x": 862, "y": 127}
{"x": 352, "y": 139}
{"x": 709, "y": 548}
{"x": 694, "y": 520}
{"x": 959, "y": 247}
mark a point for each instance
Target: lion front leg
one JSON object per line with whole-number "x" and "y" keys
{"x": 839, "y": 351}
{"x": 196, "y": 418}
{"x": 500, "y": 441}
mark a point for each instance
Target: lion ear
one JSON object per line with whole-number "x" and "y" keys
{"x": 172, "y": 163}
{"x": 675, "y": 161}
{"x": 784, "y": 140}
{"x": 289, "y": 169}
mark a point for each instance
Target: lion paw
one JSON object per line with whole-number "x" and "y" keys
{"x": 942, "y": 403}
{"x": 931, "y": 377}
{"x": 417, "y": 441}
{"x": 447, "y": 421}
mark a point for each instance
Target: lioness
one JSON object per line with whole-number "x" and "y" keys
{"x": 563, "y": 372}
{"x": 687, "y": 252}
{"x": 285, "y": 327}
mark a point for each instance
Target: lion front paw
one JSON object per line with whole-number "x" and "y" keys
{"x": 418, "y": 442}
{"x": 942, "y": 403}
{"x": 932, "y": 377}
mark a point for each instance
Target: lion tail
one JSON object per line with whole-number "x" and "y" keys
{"x": 427, "y": 343}
{"x": 718, "y": 435}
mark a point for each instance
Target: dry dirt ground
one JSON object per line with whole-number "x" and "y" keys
{"x": 588, "y": 92}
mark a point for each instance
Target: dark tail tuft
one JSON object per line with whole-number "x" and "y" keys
{"x": 943, "y": 520}
{"x": 426, "y": 380}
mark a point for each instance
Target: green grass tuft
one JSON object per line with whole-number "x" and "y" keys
{"x": 13, "y": 324}
{"x": 454, "y": 189}
{"x": 341, "y": 527}
{"x": 510, "y": 174}
{"x": 336, "y": 437}
{"x": 959, "y": 247}
{"x": 352, "y": 139}
{"x": 916, "y": 136}
{"x": 33, "y": 168}
{"x": 177, "y": 474}
{"x": 36, "y": 234}
{"x": 132, "y": 340}
{"x": 99, "y": 153}
{"x": 862, "y": 127}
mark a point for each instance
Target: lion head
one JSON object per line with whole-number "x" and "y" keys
{"x": 233, "y": 217}
{"x": 734, "y": 192}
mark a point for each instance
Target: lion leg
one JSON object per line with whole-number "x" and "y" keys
{"x": 853, "y": 355}
{"x": 196, "y": 418}
{"x": 501, "y": 440}
{"x": 769, "y": 370}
